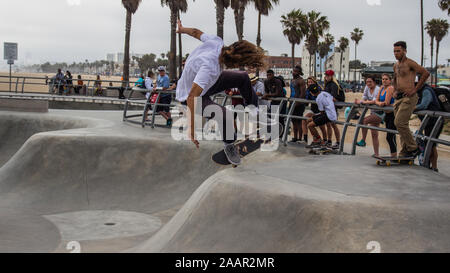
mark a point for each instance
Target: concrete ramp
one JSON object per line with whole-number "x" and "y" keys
{"x": 99, "y": 169}
{"x": 112, "y": 187}
{"x": 318, "y": 204}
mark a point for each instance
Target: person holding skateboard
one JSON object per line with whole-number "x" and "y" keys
{"x": 405, "y": 72}
{"x": 203, "y": 77}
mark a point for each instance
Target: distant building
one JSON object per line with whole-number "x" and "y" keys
{"x": 444, "y": 71}
{"x": 331, "y": 62}
{"x": 281, "y": 65}
{"x": 119, "y": 58}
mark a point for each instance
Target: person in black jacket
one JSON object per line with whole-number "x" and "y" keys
{"x": 429, "y": 101}
{"x": 332, "y": 88}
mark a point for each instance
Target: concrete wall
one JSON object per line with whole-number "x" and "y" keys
{"x": 23, "y": 105}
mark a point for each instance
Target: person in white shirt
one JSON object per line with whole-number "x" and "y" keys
{"x": 375, "y": 118}
{"x": 203, "y": 77}
{"x": 327, "y": 114}
{"x": 149, "y": 86}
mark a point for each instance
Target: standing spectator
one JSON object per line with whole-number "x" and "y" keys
{"x": 258, "y": 87}
{"x": 370, "y": 97}
{"x": 405, "y": 72}
{"x": 149, "y": 86}
{"x": 163, "y": 82}
{"x": 69, "y": 82}
{"x": 79, "y": 85}
{"x": 333, "y": 88}
{"x": 429, "y": 101}
{"x": 59, "y": 81}
{"x": 298, "y": 91}
{"x": 98, "y": 87}
{"x": 386, "y": 98}
{"x": 273, "y": 88}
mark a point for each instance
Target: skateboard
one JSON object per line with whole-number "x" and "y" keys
{"x": 323, "y": 151}
{"x": 388, "y": 161}
{"x": 244, "y": 148}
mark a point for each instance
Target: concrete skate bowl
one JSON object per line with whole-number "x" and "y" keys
{"x": 118, "y": 188}
{"x": 93, "y": 185}
{"x": 16, "y": 128}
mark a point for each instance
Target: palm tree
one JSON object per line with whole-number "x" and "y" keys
{"x": 294, "y": 28}
{"x": 317, "y": 25}
{"x": 356, "y": 36}
{"x": 329, "y": 40}
{"x": 263, "y": 7}
{"x": 432, "y": 29}
{"x": 323, "y": 49}
{"x": 131, "y": 6}
{"x": 239, "y": 9}
{"x": 422, "y": 32}
{"x": 175, "y": 7}
{"x": 221, "y": 5}
{"x": 440, "y": 34}
{"x": 343, "y": 45}
{"x": 445, "y": 6}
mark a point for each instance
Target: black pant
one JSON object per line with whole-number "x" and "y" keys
{"x": 391, "y": 138}
{"x": 229, "y": 80}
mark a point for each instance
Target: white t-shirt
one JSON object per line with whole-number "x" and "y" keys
{"x": 148, "y": 86}
{"x": 371, "y": 96}
{"x": 325, "y": 103}
{"x": 202, "y": 67}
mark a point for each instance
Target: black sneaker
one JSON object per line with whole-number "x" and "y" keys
{"x": 232, "y": 154}
{"x": 294, "y": 140}
{"x": 314, "y": 144}
{"x": 414, "y": 153}
{"x": 169, "y": 122}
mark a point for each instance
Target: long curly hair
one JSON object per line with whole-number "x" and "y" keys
{"x": 243, "y": 54}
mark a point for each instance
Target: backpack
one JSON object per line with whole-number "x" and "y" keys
{"x": 443, "y": 95}
{"x": 341, "y": 93}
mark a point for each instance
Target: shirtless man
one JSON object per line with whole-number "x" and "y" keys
{"x": 298, "y": 91}
{"x": 405, "y": 72}
{"x": 203, "y": 77}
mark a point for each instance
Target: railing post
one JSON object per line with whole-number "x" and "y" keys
{"x": 23, "y": 84}
{"x": 360, "y": 122}
{"x": 430, "y": 143}
{"x": 288, "y": 122}
{"x": 155, "y": 105}
{"x": 344, "y": 130}
{"x": 17, "y": 83}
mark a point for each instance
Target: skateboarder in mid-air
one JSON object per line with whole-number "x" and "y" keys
{"x": 203, "y": 77}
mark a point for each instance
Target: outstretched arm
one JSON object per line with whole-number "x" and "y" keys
{"x": 190, "y": 31}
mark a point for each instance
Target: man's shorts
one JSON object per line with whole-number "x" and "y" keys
{"x": 164, "y": 100}
{"x": 321, "y": 119}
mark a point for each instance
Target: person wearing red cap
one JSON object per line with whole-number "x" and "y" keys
{"x": 332, "y": 87}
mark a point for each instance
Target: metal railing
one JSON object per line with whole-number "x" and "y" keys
{"x": 223, "y": 99}
{"x": 147, "y": 106}
{"x": 54, "y": 85}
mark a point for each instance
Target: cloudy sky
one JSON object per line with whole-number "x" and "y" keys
{"x": 75, "y": 30}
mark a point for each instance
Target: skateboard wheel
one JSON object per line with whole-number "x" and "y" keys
{"x": 234, "y": 166}
{"x": 388, "y": 163}
{"x": 378, "y": 163}
{"x": 410, "y": 163}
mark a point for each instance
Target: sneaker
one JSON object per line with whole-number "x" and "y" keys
{"x": 232, "y": 154}
{"x": 336, "y": 146}
{"x": 314, "y": 144}
{"x": 169, "y": 122}
{"x": 361, "y": 143}
{"x": 414, "y": 153}
{"x": 329, "y": 144}
{"x": 294, "y": 140}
